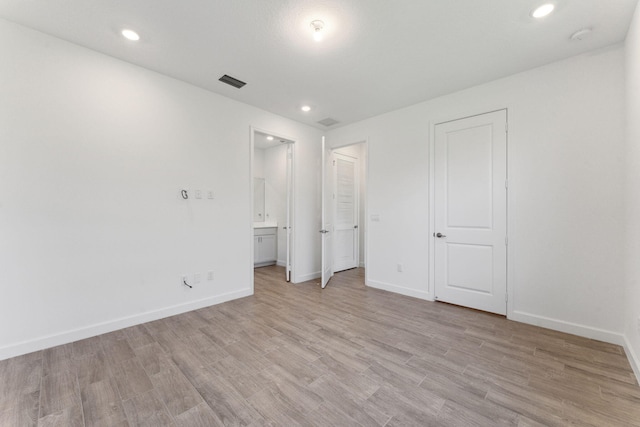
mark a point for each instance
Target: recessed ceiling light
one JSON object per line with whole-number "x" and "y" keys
{"x": 269, "y": 138}
{"x": 317, "y": 26}
{"x": 542, "y": 11}
{"x": 130, "y": 35}
{"x": 306, "y": 108}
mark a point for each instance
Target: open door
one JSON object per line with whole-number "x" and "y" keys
{"x": 289, "y": 212}
{"x": 327, "y": 215}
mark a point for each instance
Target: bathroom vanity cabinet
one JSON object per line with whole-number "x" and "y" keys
{"x": 265, "y": 251}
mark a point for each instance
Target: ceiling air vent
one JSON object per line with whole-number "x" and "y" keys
{"x": 328, "y": 122}
{"x": 232, "y": 81}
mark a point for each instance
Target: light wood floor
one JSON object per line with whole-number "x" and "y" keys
{"x": 347, "y": 355}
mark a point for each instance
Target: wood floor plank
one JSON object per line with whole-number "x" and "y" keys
{"x": 22, "y": 413}
{"x": 228, "y": 405}
{"x": 363, "y": 411}
{"x": 244, "y": 380}
{"x": 403, "y": 411}
{"x": 131, "y": 379}
{"x": 91, "y": 369}
{"x": 59, "y": 391}
{"x": 147, "y": 410}
{"x": 276, "y": 411}
{"x": 117, "y": 351}
{"x": 57, "y": 360}
{"x": 153, "y": 359}
{"x": 20, "y": 377}
{"x": 86, "y": 347}
{"x": 69, "y": 417}
{"x": 178, "y": 394}
{"x": 101, "y": 404}
{"x": 138, "y": 336}
{"x": 199, "y": 416}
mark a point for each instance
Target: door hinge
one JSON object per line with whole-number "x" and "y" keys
{"x": 506, "y": 241}
{"x": 506, "y": 183}
{"x": 506, "y": 127}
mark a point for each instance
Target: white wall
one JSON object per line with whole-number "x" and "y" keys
{"x": 93, "y": 154}
{"x": 632, "y": 194}
{"x": 258, "y": 163}
{"x": 566, "y": 159}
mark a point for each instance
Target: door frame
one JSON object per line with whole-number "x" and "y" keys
{"x": 364, "y": 207}
{"x": 509, "y": 203}
{"x": 291, "y": 238}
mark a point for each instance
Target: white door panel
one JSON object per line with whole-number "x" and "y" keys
{"x": 327, "y": 216}
{"x": 469, "y": 178}
{"x": 346, "y": 238}
{"x": 470, "y": 212}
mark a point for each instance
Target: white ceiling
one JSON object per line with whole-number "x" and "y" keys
{"x": 377, "y": 55}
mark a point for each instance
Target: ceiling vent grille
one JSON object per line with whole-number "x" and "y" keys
{"x": 328, "y": 122}
{"x": 232, "y": 81}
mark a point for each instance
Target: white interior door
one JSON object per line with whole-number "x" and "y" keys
{"x": 327, "y": 215}
{"x": 346, "y": 237}
{"x": 288, "y": 230}
{"x": 470, "y": 195}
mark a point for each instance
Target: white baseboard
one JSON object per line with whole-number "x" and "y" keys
{"x": 361, "y": 265}
{"x": 399, "y": 290}
{"x": 53, "y": 340}
{"x": 307, "y": 277}
{"x": 281, "y": 263}
{"x": 568, "y": 327}
{"x": 633, "y": 358}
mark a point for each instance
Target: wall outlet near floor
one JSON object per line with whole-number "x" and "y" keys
{"x": 399, "y": 268}
{"x": 210, "y": 275}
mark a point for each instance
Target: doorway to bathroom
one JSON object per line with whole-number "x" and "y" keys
{"x": 272, "y": 201}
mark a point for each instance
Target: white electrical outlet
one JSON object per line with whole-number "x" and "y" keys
{"x": 196, "y": 278}
{"x": 210, "y": 275}
{"x": 210, "y": 194}
{"x": 399, "y": 268}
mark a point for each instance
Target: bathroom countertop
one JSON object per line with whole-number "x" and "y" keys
{"x": 268, "y": 224}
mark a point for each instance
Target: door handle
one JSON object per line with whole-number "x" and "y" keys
{"x": 440, "y": 235}
{"x": 324, "y": 231}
